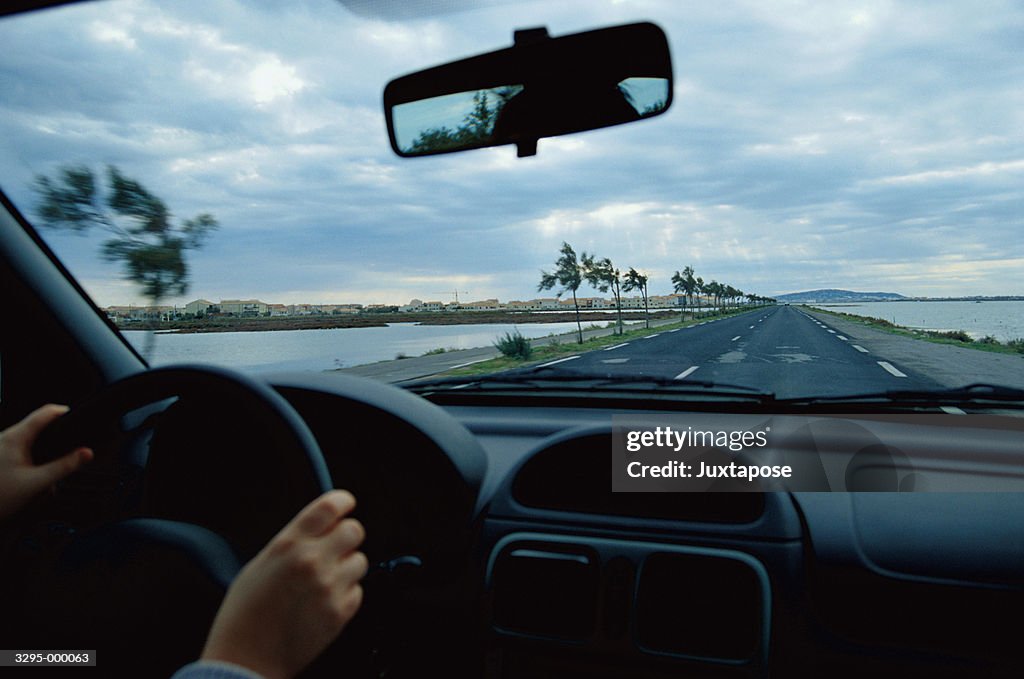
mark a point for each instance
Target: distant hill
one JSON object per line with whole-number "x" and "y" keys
{"x": 836, "y": 296}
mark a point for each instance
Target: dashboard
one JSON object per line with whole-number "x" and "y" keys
{"x": 517, "y": 559}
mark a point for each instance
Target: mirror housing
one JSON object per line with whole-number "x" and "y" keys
{"x": 540, "y": 87}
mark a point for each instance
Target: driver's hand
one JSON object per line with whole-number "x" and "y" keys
{"x": 295, "y": 596}
{"x": 21, "y": 479}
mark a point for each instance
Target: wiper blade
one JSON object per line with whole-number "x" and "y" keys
{"x": 552, "y": 377}
{"x": 979, "y": 393}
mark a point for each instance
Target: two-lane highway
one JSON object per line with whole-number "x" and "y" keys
{"x": 778, "y": 349}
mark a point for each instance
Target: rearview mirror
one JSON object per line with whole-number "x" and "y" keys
{"x": 539, "y": 87}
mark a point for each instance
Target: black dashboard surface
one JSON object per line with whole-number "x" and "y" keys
{"x": 563, "y": 578}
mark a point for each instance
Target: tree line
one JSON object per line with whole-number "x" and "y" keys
{"x": 571, "y": 271}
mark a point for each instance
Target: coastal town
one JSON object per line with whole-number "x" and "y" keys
{"x": 254, "y": 308}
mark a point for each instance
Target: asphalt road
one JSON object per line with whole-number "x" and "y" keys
{"x": 791, "y": 351}
{"x": 780, "y": 349}
{"x": 432, "y": 364}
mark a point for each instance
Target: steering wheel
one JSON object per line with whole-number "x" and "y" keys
{"x": 140, "y": 580}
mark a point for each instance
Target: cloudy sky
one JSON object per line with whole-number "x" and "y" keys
{"x": 867, "y": 145}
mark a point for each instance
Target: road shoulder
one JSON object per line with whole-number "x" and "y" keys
{"x": 949, "y": 365}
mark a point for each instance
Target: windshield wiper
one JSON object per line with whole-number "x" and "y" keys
{"x": 971, "y": 394}
{"x": 549, "y": 377}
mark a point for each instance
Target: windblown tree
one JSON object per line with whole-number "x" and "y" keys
{"x": 568, "y": 274}
{"x": 143, "y": 235}
{"x": 736, "y": 295}
{"x": 690, "y": 284}
{"x": 728, "y": 295}
{"x": 714, "y": 288}
{"x": 685, "y": 284}
{"x": 634, "y": 280}
{"x": 677, "y": 287}
{"x": 701, "y": 289}
{"x": 602, "y": 275}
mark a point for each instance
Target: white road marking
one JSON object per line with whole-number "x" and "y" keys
{"x": 463, "y": 365}
{"x": 951, "y": 410}
{"x": 616, "y": 346}
{"x": 751, "y": 327}
{"x": 891, "y": 369}
{"x": 615, "y": 360}
{"x": 676, "y": 330}
{"x": 832, "y": 331}
{"x": 685, "y": 373}
{"x": 842, "y": 338}
{"x": 650, "y": 336}
{"x": 561, "y": 360}
{"x": 735, "y": 338}
{"x": 859, "y": 348}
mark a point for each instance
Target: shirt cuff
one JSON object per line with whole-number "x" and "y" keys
{"x": 215, "y": 669}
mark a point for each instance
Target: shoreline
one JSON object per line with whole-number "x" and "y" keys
{"x": 233, "y": 324}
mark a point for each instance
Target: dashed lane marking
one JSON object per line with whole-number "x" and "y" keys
{"x": 617, "y": 346}
{"x": 859, "y": 348}
{"x": 687, "y": 372}
{"x": 735, "y": 338}
{"x": 891, "y": 369}
{"x": 561, "y": 360}
{"x": 842, "y": 338}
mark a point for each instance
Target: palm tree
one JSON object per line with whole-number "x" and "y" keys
{"x": 716, "y": 289}
{"x": 569, "y": 275}
{"x": 690, "y": 284}
{"x": 700, "y": 288}
{"x": 601, "y": 274}
{"x": 733, "y": 294}
{"x": 679, "y": 287}
{"x": 635, "y": 280}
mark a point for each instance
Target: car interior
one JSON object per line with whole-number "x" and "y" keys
{"x": 497, "y": 545}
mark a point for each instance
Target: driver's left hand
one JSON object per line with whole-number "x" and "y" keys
{"x": 20, "y": 478}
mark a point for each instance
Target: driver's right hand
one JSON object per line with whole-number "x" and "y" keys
{"x": 294, "y": 598}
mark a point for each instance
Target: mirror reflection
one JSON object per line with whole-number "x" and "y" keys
{"x": 648, "y": 96}
{"x": 512, "y": 113}
{"x": 454, "y": 121}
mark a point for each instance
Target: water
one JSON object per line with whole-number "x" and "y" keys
{"x": 327, "y": 349}
{"x": 1002, "y": 320}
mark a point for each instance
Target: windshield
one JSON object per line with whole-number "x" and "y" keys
{"x": 831, "y": 206}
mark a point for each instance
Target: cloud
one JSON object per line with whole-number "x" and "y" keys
{"x": 857, "y": 144}
{"x": 1005, "y": 170}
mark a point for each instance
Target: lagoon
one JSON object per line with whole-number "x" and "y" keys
{"x": 326, "y": 349}
{"x": 1003, "y": 320}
